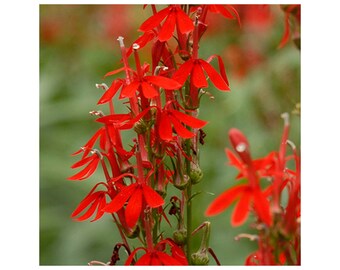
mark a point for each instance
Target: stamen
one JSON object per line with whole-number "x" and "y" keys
{"x": 121, "y": 41}
{"x": 251, "y": 237}
{"x": 285, "y": 117}
{"x": 241, "y": 147}
{"x": 291, "y": 144}
{"x": 97, "y": 113}
{"x": 135, "y": 46}
{"x": 102, "y": 85}
{"x": 97, "y": 152}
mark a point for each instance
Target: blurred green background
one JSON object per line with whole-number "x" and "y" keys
{"x": 78, "y": 46}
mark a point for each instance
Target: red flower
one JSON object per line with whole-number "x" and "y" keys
{"x": 145, "y": 86}
{"x": 175, "y": 16}
{"x": 246, "y": 196}
{"x": 91, "y": 167}
{"x": 224, "y": 10}
{"x": 196, "y": 68}
{"x": 96, "y": 200}
{"x": 170, "y": 117}
{"x": 157, "y": 256}
{"x": 136, "y": 196}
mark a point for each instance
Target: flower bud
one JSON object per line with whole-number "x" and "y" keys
{"x": 196, "y": 174}
{"x": 133, "y": 233}
{"x": 200, "y": 258}
{"x": 140, "y": 127}
{"x": 181, "y": 183}
{"x": 180, "y": 236}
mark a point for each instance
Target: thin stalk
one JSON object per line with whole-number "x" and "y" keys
{"x": 188, "y": 202}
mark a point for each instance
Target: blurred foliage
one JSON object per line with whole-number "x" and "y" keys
{"x": 78, "y": 46}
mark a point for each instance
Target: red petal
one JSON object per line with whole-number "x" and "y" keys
{"x": 89, "y": 211}
{"x": 145, "y": 259}
{"x": 221, "y": 67}
{"x": 262, "y": 207}
{"x": 142, "y": 41}
{"x": 88, "y": 146}
{"x": 101, "y": 205}
{"x": 168, "y": 27}
{"x": 163, "y": 82}
{"x": 197, "y": 76}
{"x": 286, "y": 34}
{"x": 183, "y": 72}
{"x": 167, "y": 259}
{"x": 109, "y": 93}
{"x": 164, "y": 128}
{"x": 85, "y": 203}
{"x": 155, "y": 20}
{"x": 134, "y": 207}
{"x": 224, "y": 200}
{"x": 216, "y": 78}
{"x": 87, "y": 171}
{"x": 83, "y": 161}
{"x": 129, "y": 90}
{"x": 181, "y": 131}
{"x": 184, "y": 23}
{"x": 223, "y": 11}
{"x": 114, "y": 119}
{"x": 114, "y": 72}
{"x": 132, "y": 255}
{"x": 241, "y": 210}
{"x": 188, "y": 120}
{"x": 152, "y": 198}
{"x": 120, "y": 199}
{"x": 235, "y": 13}
{"x": 148, "y": 90}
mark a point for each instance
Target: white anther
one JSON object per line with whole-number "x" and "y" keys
{"x": 241, "y": 147}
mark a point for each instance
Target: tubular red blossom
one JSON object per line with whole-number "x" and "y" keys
{"x": 169, "y": 117}
{"x": 195, "y": 67}
{"x": 134, "y": 195}
{"x": 174, "y": 16}
{"x": 85, "y": 173}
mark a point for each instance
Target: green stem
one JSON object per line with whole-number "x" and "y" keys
{"x": 188, "y": 203}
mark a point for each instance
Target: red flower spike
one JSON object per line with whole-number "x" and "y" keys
{"x": 195, "y": 67}
{"x": 174, "y": 16}
{"x": 241, "y": 210}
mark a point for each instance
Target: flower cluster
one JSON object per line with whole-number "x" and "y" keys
{"x": 162, "y": 98}
{"x": 278, "y": 226}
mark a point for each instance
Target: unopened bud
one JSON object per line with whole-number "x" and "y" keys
{"x": 180, "y": 236}
{"x": 200, "y": 258}
{"x": 140, "y": 127}
{"x": 181, "y": 183}
{"x": 133, "y": 233}
{"x": 196, "y": 174}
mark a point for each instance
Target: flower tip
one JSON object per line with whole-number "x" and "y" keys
{"x": 285, "y": 117}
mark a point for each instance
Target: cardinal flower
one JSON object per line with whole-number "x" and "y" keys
{"x": 157, "y": 256}
{"x": 93, "y": 200}
{"x": 91, "y": 167}
{"x": 246, "y": 196}
{"x": 137, "y": 196}
{"x": 196, "y": 68}
{"x": 174, "y": 16}
{"x": 170, "y": 117}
